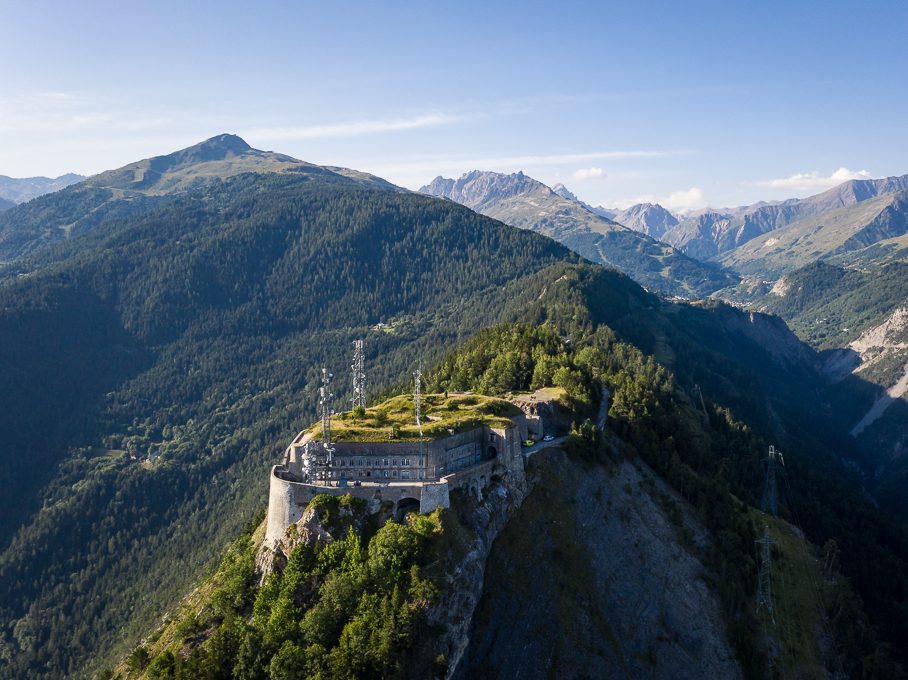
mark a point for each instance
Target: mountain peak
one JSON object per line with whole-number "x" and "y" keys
{"x": 481, "y": 187}
{"x": 218, "y": 148}
{"x": 564, "y": 192}
{"x": 223, "y": 145}
{"x": 221, "y": 156}
{"x": 650, "y": 218}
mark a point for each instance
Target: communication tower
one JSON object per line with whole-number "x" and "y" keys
{"x": 359, "y": 374}
{"x": 417, "y": 376}
{"x": 417, "y": 397}
{"x": 325, "y": 399}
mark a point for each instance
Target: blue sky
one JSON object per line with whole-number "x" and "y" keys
{"x": 691, "y": 104}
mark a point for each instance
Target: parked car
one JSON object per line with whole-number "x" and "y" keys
{"x": 547, "y": 438}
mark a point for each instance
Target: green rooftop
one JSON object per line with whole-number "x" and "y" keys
{"x": 395, "y": 419}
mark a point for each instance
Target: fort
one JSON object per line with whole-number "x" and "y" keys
{"x": 406, "y": 454}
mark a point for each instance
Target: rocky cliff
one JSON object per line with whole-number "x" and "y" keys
{"x": 597, "y": 575}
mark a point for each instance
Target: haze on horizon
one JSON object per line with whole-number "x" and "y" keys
{"x": 694, "y": 105}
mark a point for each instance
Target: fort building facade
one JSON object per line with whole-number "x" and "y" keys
{"x": 412, "y": 472}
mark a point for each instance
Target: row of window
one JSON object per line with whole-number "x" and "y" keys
{"x": 373, "y": 462}
{"x": 388, "y": 474}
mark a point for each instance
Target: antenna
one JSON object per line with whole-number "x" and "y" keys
{"x": 417, "y": 395}
{"x": 359, "y": 374}
{"x": 325, "y": 399}
{"x": 417, "y": 375}
{"x": 770, "y": 501}
{"x": 764, "y": 584}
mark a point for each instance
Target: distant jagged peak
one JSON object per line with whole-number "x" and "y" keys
{"x": 650, "y": 218}
{"x": 477, "y": 188}
{"x": 564, "y": 192}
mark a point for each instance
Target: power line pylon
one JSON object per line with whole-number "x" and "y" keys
{"x": 770, "y": 501}
{"x": 359, "y": 374}
{"x": 764, "y": 582}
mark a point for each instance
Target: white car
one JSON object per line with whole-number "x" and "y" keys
{"x": 547, "y": 438}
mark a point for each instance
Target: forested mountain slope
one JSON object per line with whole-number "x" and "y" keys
{"x": 145, "y": 185}
{"x": 192, "y": 336}
{"x": 597, "y": 562}
{"x": 160, "y": 359}
{"x": 524, "y": 202}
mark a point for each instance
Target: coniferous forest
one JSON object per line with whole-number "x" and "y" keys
{"x": 187, "y": 341}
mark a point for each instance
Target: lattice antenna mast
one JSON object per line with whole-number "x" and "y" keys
{"x": 417, "y": 397}
{"x": 764, "y": 583}
{"x": 359, "y": 374}
{"x": 325, "y": 400}
{"x": 770, "y": 501}
{"x": 417, "y": 376}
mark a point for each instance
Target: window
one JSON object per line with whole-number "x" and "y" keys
{"x": 396, "y": 462}
{"x": 395, "y": 473}
{"x": 406, "y": 461}
{"x": 405, "y": 474}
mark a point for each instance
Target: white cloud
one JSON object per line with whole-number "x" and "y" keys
{"x": 680, "y": 201}
{"x": 812, "y": 180}
{"x": 588, "y": 173}
{"x": 354, "y": 128}
{"x": 690, "y": 199}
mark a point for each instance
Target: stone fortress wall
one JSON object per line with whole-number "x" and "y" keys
{"x": 465, "y": 460}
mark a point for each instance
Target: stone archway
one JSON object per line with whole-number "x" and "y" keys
{"x": 405, "y": 506}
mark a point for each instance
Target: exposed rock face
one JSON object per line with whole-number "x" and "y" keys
{"x": 564, "y": 192}
{"x": 481, "y": 190}
{"x": 591, "y": 579}
{"x": 526, "y": 203}
{"x": 453, "y": 614}
{"x": 650, "y": 218}
{"x": 312, "y": 528}
{"x": 710, "y": 233}
{"x": 699, "y": 235}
